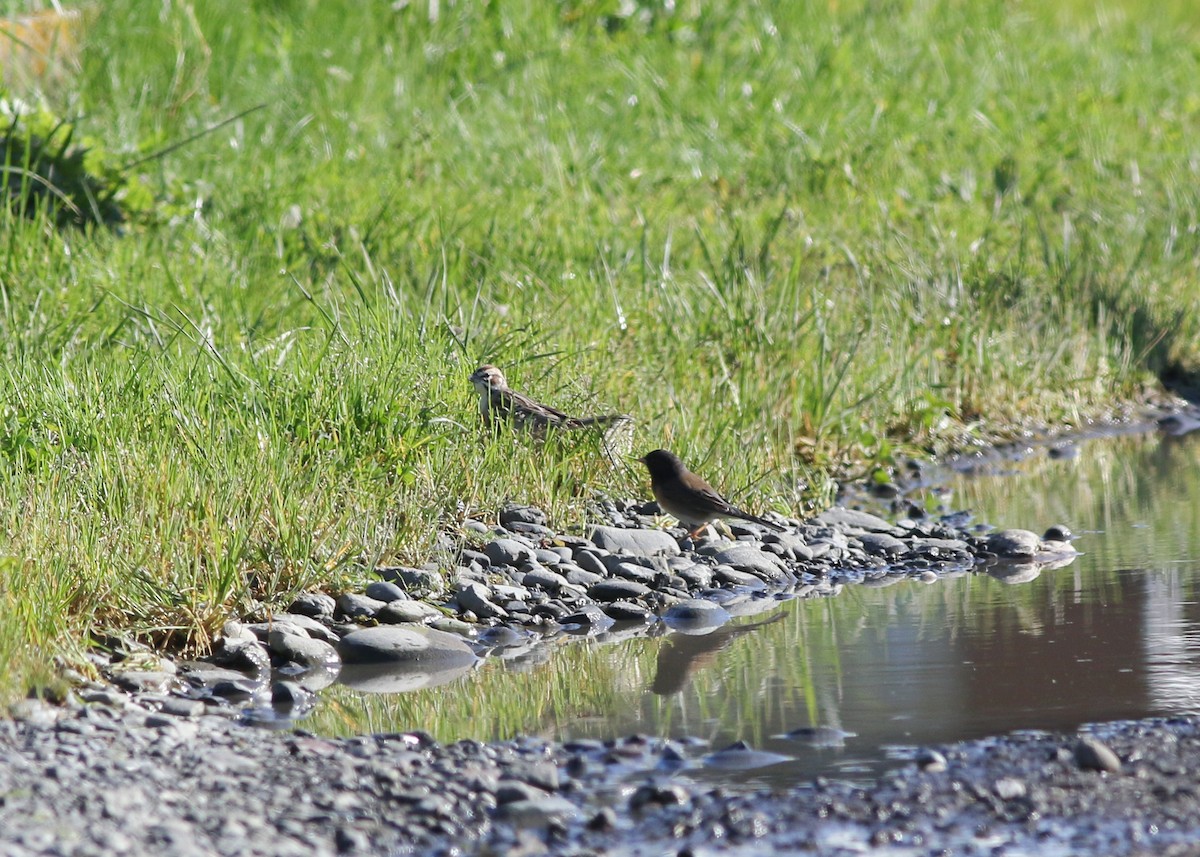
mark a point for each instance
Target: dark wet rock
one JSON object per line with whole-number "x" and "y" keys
{"x": 617, "y": 590}
{"x": 1012, "y": 543}
{"x": 508, "y": 552}
{"x": 591, "y": 562}
{"x": 1091, "y": 754}
{"x": 404, "y": 644}
{"x": 627, "y": 611}
{"x": 353, "y": 606}
{"x": 478, "y": 599}
{"x": 513, "y": 514}
{"x": 850, "y": 519}
{"x": 316, "y": 605}
{"x": 414, "y": 581}
{"x": 631, "y": 541}
{"x": 302, "y": 649}
{"x": 882, "y": 544}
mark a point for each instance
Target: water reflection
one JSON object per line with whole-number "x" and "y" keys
{"x": 1115, "y": 634}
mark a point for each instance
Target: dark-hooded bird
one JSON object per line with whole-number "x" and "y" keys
{"x": 688, "y": 497}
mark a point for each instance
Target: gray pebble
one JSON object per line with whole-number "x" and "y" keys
{"x": 617, "y": 590}
{"x": 303, "y": 650}
{"x": 316, "y": 605}
{"x": 1091, "y": 754}
{"x": 385, "y": 591}
{"x": 638, "y": 542}
{"x": 351, "y": 605}
{"x": 508, "y": 552}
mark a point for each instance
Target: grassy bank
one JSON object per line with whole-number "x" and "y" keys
{"x": 784, "y": 236}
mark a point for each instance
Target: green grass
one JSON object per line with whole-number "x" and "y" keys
{"x": 789, "y": 238}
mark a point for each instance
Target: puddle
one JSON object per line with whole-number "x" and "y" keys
{"x": 860, "y": 680}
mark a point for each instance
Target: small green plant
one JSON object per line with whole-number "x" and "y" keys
{"x": 49, "y": 170}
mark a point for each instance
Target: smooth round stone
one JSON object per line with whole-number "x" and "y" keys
{"x": 590, "y": 563}
{"x": 351, "y": 605}
{"x": 385, "y": 591}
{"x": 539, "y": 812}
{"x": 1013, "y": 543}
{"x": 590, "y": 618}
{"x": 413, "y": 644}
{"x": 303, "y": 650}
{"x": 508, "y": 552}
{"x": 316, "y": 605}
{"x": 881, "y": 544}
{"x": 617, "y": 590}
{"x": 627, "y": 611}
{"x": 297, "y": 623}
{"x": 930, "y": 761}
{"x": 851, "y": 519}
{"x": 1091, "y": 754}
{"x": 522, "y": 515}
{"x": 477, "y": 527}
{"x": 735, "y": 577}
{"x": 241, "y": 654}
{"x": 746, "y": 557}
{"x": 696, "y": 576}
{"x": 633, "y": 571}
{"x": 399, "y": 612}
{"x": 478, "y": 599}
{"x": 543, "y": 578}
{"x": 696, "y": 616}
{"x": 639, "y": 542}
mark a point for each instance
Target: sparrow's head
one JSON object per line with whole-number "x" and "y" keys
{"x": 488, "y": 377}
{"x": 663, "y": 463}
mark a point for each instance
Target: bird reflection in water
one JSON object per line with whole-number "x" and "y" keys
{"x": 682, "y": 655}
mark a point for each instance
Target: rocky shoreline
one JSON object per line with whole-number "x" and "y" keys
{"x": 157, "y": 758}
{"x": 86, "y": 779}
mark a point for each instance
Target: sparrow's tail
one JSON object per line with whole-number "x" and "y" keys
{"x": 754, "y": 519}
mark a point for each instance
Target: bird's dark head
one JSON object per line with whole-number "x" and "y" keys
{"x": 662, "y": 462}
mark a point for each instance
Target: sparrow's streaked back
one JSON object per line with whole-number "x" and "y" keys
{"x": 688, "y": 497}
{"x": 499, "y": 404}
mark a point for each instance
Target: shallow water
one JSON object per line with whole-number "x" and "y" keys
{"x": 1114, "y": 635}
